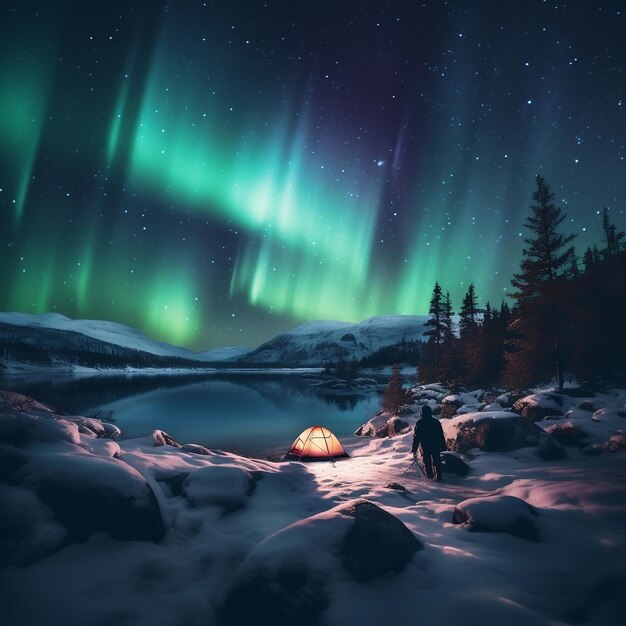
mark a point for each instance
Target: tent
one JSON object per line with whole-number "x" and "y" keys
{"x": 316, "y": 443}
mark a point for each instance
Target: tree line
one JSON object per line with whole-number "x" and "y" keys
{"x": 565, "y": 320}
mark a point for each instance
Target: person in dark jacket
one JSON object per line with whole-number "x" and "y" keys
{"x": 428, "y": 436}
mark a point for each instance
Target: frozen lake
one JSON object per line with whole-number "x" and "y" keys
{"x": 252, "y": 414}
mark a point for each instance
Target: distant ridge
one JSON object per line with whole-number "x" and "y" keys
{"x": 320, "y": 342}
{"x": 116, "y": 334}
{"x": 51, "y": 340}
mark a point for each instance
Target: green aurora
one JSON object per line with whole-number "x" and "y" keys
{"x": 184, "y": 173}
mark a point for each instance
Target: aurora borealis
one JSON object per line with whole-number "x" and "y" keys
{"x": 216, "y": 173}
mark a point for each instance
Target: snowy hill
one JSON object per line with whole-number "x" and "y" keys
{"x": 316, "y": 343}
{"x": 116, "y": 334}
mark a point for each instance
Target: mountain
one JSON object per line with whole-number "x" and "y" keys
{"x": 321, "y": 342}
{"x": 53, "y": 340}
{"x": 115, "y": 334}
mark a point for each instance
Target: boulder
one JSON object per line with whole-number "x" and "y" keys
{"x": 89, "y": 494}
{"x": 566, "y": 433}
{"x": 382, "y": 425}
{"x": 11, "y": 459}
{"x": 223, "y": 486}
{"x": 395, "y": 487}
{"x": 539, "y": 406}
{"x": 161, "y": 438}
{"x": 194, "y": 448}
{"x": 506, "y": 514}
{"x": 508, "y": 399}
{"x": 291, "y": 576}
{"x": 28, "y": 531}
{"x": 498, "y": 431}
{"x": 616, "y": 442}
{"x": 453, "y": 464}
{"x": 449, "y": 406}
{"x": 377, "y": 544}
{"x": 395, "y": 426}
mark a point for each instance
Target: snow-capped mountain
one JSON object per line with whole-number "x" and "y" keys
{"x": 316, "y": 343}
{"x": 112, "y": 333}
{"x": 53, "y": 340}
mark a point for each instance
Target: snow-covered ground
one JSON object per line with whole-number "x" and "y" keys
{"x": 99, "y": 531}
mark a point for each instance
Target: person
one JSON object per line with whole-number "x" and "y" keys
{"x": 428, "y": 436}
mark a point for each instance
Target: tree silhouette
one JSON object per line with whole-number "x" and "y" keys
{"x": 537, "y": 347}
{"x": 395, "y": 395}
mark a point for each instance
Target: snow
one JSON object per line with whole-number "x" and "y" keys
{"x": 317, "y": 342}
{"x": 226, "y": 517}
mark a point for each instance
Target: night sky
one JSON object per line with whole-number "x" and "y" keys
{"x": 215, "y": 173}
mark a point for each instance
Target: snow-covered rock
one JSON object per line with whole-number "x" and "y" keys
{"x": 28, "y": 530}
{"x": 194, "y": 448}
{"x": 161, "y": 438}
{"x": 500, "y": 513}
{"x": 385, "y": 424}
{"x": 226, "y": 487}
{"x": 498, "y": 431}
{"x": 567, "y": 433}
{"x": 449, "y": 405}
{"x": 538, "y": 406}
{"x": 90, "y": 494}
{"x": 452, "y": 463}
{"x": 296, "y": 571}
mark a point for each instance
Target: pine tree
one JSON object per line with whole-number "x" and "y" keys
{"x": 435, "y": 333}
{"x": 538, "y": 344}
{"x": 468, "y": 315}
{"x": 470, "y": 348}
{"x": 449, "y": 366}
{"x": 395, "y": 395}
{"x": 611, "y": 237}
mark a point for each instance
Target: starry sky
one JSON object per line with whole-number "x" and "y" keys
{"x": 214, "y": 173}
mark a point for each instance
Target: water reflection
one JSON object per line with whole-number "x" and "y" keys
{"x": 254, "y": 414}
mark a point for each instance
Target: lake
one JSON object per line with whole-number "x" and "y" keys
{"x": 251, "y": 414}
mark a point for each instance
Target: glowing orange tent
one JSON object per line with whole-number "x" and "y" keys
{"x": 315, "y": 444}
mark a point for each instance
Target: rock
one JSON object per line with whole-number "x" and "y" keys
{"x": 395, "y": 487}
{"x": 382, "y": 425}
{"x": 14, "y": 428}
{"x": 226, "y": 487}
{"x": 454, "y": 464}
{"x": 111, "y": 430}
{"x": 508, "y": 399}
{"x": 449, "y": 406}
{"x": 90, "y": 494}
{"x": 587, "y": 405}
{"x": 506, "y": 514}
{"x": 593, "y": 449}
{"x": 194, "y": 448}
{"x": 567, "y": 434}
{"x": 549, "y": 449}
{"x": 615, "y": 443}
{"x": 89, "y": 424}
{"x": 51, "y": 430}
{"x": 538, "y": 406}
{"x": 291, "y": 576}
{"x": 11, "y": 459}
{"x": 498, "y": 432}
{"x": 378, "y": 544}
{"x": 161, "y": 438}
{"x": 28, "y": 531}
{"x": 395, "y": 426}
